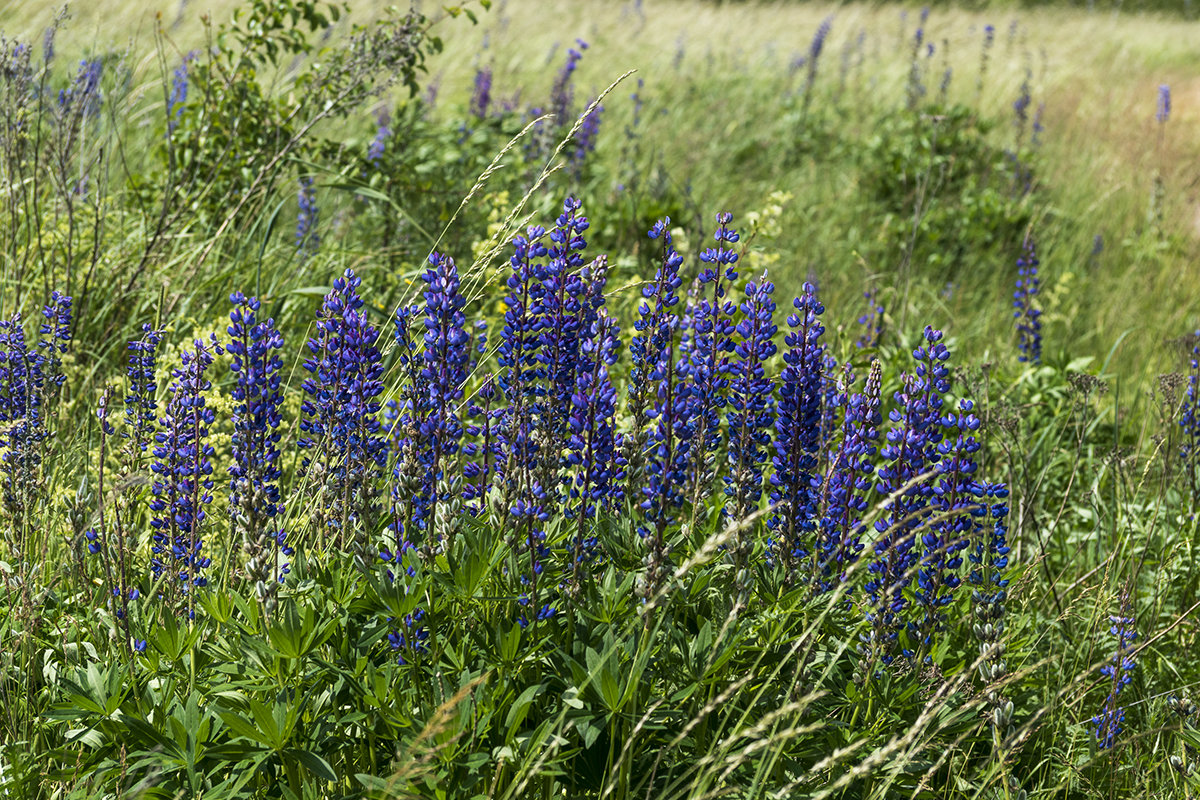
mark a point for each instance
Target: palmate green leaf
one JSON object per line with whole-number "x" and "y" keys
{"x": 520, "y": 708}
{"x": 299, "y": 632}
{"x": 603, "y": 673}
{"x": 268, "y": 724}
{"x": 94, "y": 690}
{"x": 240, "y": 726}
{"x": 312, "y": 762}
{"x": 589, "y": 729}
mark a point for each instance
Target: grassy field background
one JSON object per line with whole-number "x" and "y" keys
{"x": 718, "y": 74}
{"x": 883, "y": 148}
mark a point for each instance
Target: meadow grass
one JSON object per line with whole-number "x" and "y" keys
{"x": 558, "y": 560}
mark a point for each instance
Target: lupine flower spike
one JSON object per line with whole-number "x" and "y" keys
{"x": 797, "y": 437}
{"x": 340, "y": 423}
{"x": 1119, "y": 672}
{"x": 182, "y": 488}
{"x": 848, "y": 483}
{"x": 910, "y": 452}
{"x": 671, "y": 434}
{"x": 711, "y": 347}
{"x": 592, "y": 444}
{"x": 443, "y": 374}
{"x": 751, "y": 412}
{"x": 255, "y": 504}
{"x": 1025, "y": 305}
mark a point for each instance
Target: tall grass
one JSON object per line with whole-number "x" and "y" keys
{"x": 465, "y": 574}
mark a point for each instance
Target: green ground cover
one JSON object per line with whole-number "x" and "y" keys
{"x": 784, "y": 503}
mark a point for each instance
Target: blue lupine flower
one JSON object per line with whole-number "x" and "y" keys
{"x": 814, "y": 55}
{"x": 849, "y": 480}
{"x": 481, "y": 98}
{"x": 141, "y": 405}
{"x": 957, "y": 511}
{"x": 179, "y": 92}
{"x": 751, "y": 401}
{"x": 1119, "y": 671}
{"x": 592, "y": 443}
{"x": 910, "y": 452}
{"x": 818, "y": 41}
{"x": 751, "y": 413}
{"x": 654, "y": 331}
{"x": 30, "y": 378}
{"x": 340, "y": 419}
{"x": 21, "y": 385}
{"x": 308, "y": 240}
{"x": 1163, "y": 111}
{"x": 183, "y": 482}
{"x": 562, "y": 94}
{"x": 523, "y": 379}
{"x": 585, "y": 139}
{"x": 707, "y": 369}
{"x": 561, "y": 315}
{"x": 411, "y": 639}
{"x": 443, "y": 375}
{"x": 383, "y": 132}
{"x": 522, "y": 374}
{"x": 669, "y": 440}
{"x": 872, "y": 321}
{"x": 55, "y": 336}
{"x": 1021, "y": 105}
{"x": 82, "y": 98}
{"x": 797, "y": 435}
{"x": 1026, "y": 312}
{"x": 672, "y": 411}
{"x": 254, "y": 499}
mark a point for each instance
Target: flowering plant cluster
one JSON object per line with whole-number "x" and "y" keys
{"x": 529, "y": 436}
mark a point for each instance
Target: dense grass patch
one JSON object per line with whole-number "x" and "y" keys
{"x": 589, "y": 400}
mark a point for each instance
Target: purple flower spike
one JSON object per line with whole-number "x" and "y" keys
{"x": 592, "y": 444}
{"x": 340, "y": 423}
{"x": 255, "y": 503}
{"x": 848, "y": 483}
{"x": 1119, "y": 671}
{"x": 443, "y": 374}
{"x": 1025, "y": 310}
{"x": 708, "y": 367}
{"x": 797, "y": 437}
{"x": 751, "y": 413}
{"x": 183, "y": 482}
{"x": 909, "y": 454}
{"x": 141, "y": 405}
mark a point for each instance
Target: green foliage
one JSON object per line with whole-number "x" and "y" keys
{"x": 613, "y": 697}
{"x": 947, "y": 192}
{"x": 238, "y": 132}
